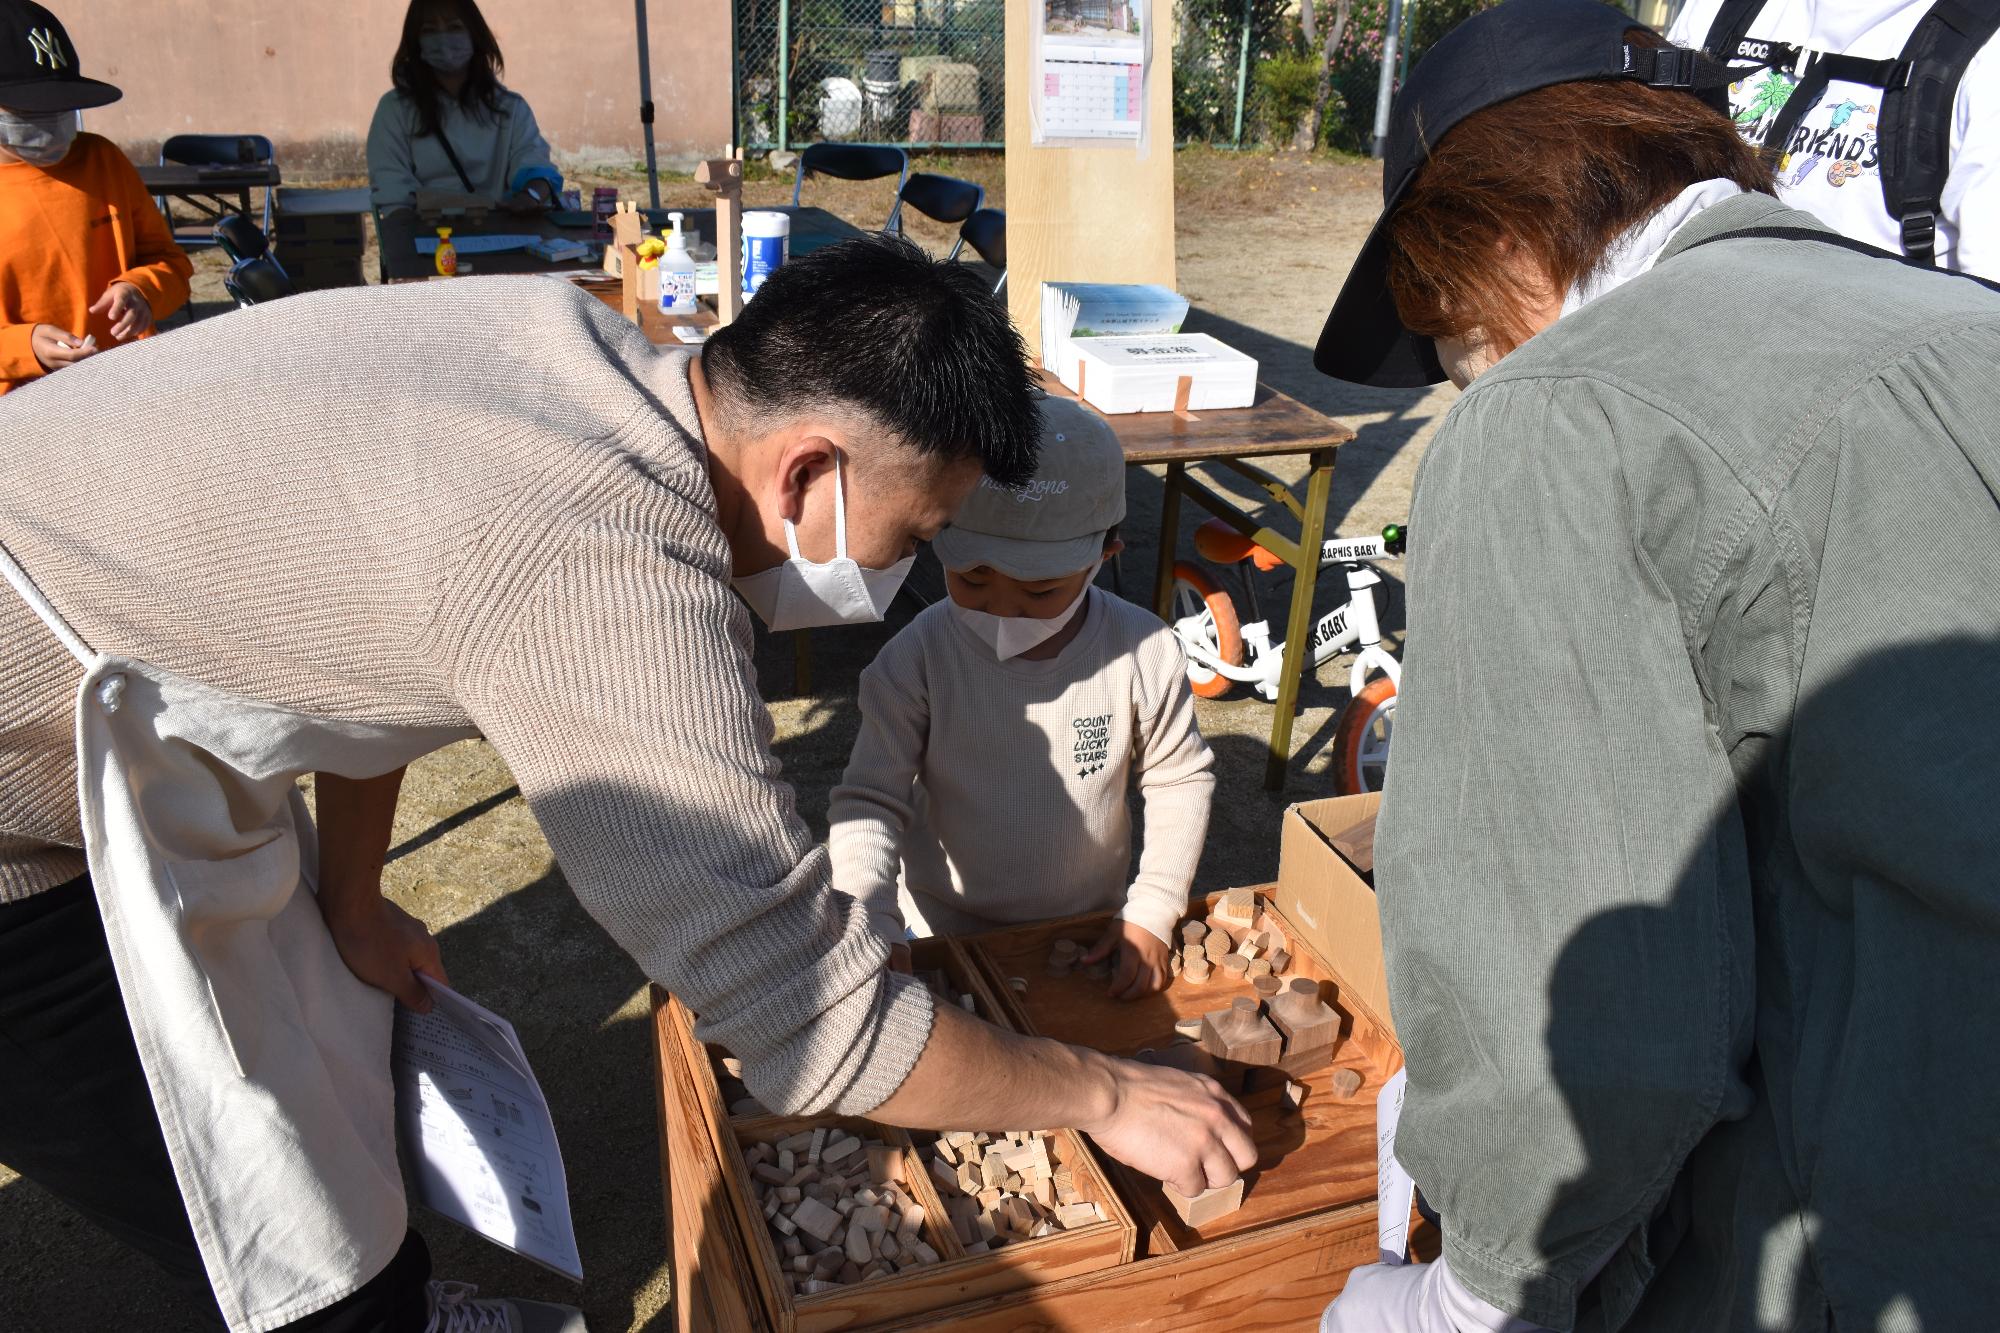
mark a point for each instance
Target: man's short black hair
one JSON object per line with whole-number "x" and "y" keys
{"x": 874, "y": 323}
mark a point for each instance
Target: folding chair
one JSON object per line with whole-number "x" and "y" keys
{"x": 214, "y": 150}
{"x": 854, "y": 162}
{"x": 940, "y": 198}
{"x": 986, "y": 232}
{"x": 255, "y": 276}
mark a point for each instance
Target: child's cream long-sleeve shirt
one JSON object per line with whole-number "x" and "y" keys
{"x": 996, "y": 792}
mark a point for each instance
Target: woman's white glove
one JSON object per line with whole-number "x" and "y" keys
{"x": 1414, "y": 1298}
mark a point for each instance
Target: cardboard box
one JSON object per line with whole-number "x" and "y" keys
{"x": 1327, "y": 901}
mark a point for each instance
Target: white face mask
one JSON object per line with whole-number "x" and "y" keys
{"x": 800, "y": 594}
{"x": 42, "y": 139}
{"x": 446, "y": 52}
{"x": 1010, "y": 636}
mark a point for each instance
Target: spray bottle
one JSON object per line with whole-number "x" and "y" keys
{"x": 677, "y": 273}
{"x": 447, "y": 253}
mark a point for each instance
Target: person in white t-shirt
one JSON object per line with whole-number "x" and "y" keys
{"x": 1003, "y": 730}
{"x": 1831, "y": 161}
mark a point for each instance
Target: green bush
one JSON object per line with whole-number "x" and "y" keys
{"x": 1284, "y": 88}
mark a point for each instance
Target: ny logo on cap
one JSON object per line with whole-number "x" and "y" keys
{"x": 44, "y": 42}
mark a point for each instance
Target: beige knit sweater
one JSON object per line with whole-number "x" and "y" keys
{"x": 477, "y": 504}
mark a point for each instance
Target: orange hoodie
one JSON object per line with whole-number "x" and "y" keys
{"x": 66, "y": 233}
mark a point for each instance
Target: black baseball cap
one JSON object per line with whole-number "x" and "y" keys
{"x": 38, "y": 69}
{"x": 1513, "y": 48}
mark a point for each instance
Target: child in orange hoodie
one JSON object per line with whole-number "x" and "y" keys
{"x": 86, "y": 260}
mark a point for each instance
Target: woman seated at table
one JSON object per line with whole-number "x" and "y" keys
{"x": 449, "y": 124}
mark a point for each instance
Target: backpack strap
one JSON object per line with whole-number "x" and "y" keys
{"x": 1832, "y": 238}
{"x": 1915, "y": 125}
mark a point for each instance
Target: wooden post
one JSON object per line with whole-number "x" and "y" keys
{"x": 724, "y": 178}
{"x": 1087, "y": 214}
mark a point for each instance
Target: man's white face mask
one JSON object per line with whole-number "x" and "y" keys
{"x": 803, "y": 594}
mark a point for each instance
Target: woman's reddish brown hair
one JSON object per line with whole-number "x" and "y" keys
{"x": 1554, "y": 176}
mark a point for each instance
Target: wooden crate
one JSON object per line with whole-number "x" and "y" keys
{"x": 1308, "y": 1217}
{"x": 1306, "y": 1160}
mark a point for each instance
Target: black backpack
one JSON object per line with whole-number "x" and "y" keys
{"x": 1919, "y": 88}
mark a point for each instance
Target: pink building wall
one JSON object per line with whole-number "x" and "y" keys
{"x": 308, "y": 75}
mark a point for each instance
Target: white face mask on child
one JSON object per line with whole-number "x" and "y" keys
{"x": 1010, "y": 636}
{"x": 802, "y": 594}
{"x": 41, "y": 139}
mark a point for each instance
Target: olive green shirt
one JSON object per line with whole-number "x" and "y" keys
{"x": 1690, "y": 856}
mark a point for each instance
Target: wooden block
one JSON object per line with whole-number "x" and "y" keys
{"x": 858, "y": 1250}
{"x": 840, "y": 1148}
{"x": 1295, "y": 1093}
{"x": 1258, "y": 969}
{"x": 1311, "y": 1027}
{"x": 1080, "y": 1214}
{"x": 816, "y": 1220}
{"x": 1192, "y": 932}
{"x": 1238, "y": 907}
{"x": 1216, "y": 946}
{"x": 885, "y": 1163}
{"x": 1241, "y": 1035}
{"x": 1236, "y": 967}
{"x": 1206, "y": 1206}
{"x": 1189, "y": 1027}
{"x": 1347, "y": 1082}
{"x": 1267, "y": 987}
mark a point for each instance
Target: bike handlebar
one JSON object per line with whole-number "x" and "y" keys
{"x": 1395, "y": 537}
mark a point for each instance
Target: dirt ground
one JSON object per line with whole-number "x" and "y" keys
{"x": 1263, "y": 244}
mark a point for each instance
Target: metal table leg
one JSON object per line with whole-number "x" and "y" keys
{"x": 1312, "y": 529}
{"x": 1170, "y": 533}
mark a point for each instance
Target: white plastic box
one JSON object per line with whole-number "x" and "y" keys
{"x": 1143, "y": 373}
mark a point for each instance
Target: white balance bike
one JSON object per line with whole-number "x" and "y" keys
{"x": 1223, "y": 652}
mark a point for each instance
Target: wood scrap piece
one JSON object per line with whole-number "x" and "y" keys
{"x": 816, "y": 1219}
{"x": 1208, "y": 1205}
{"x": 1237, "y": 907}
{"x": 1346, "y": 1082}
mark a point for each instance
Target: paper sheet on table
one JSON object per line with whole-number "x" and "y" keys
{"x": 1395, "y": 1192}
{"x": 475, "y": 1132}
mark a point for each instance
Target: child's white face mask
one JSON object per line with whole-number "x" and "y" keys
{"x": 1010, "y": 636}
{"x": 42, "y": 140}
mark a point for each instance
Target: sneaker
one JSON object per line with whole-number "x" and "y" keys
{"x": 455, "y": 1308}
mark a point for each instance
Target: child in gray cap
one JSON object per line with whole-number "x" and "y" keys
{"x": 1003, "y": 729}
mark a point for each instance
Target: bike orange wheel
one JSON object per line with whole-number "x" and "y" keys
{"x": 1195, "y": 593}
{"x": 1361, "y": 740}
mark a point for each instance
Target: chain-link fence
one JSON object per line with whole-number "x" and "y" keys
{"x": 932, "y": 73}
{"x": 924, "y": 72}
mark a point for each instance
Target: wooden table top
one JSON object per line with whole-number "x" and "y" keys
{"x": 179, "y": 178}
{"x": 811, "y": 228}
{"x": 1275, "y": 423}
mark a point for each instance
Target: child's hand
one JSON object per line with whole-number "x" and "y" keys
{"x": 127, "y": 308}
{"x": 56, "y": 348}
{"x": 1141, "y": 968}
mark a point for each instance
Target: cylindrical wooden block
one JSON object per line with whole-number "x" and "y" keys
{"x": 1236, "y": 965}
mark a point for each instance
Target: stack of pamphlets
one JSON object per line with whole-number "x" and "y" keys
{"x": 1074, "y": 312}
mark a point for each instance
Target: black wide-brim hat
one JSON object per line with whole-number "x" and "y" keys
{"x": 38, "y": 66}
{"x": 1514, "y": 48}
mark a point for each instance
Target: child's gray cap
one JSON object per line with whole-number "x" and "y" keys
{"x": 1055, "y": 523}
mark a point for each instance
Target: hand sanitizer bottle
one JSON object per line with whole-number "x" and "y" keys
{"x": 676, "y": 273}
